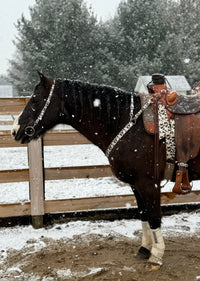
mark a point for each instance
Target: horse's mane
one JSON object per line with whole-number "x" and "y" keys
{"x": 109, "y": 101}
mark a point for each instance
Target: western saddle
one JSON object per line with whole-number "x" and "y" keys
{"x": 182, "y": 111}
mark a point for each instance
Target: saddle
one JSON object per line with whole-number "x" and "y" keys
{"x": 184, "y": 113}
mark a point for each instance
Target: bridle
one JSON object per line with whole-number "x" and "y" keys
{"x": 30, "y": 130}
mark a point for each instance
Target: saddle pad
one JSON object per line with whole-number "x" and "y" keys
{"x": 166, "y": 125}
{"x": 185, "y": 105}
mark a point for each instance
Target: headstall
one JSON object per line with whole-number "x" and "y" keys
{"x": 30, "y": 130}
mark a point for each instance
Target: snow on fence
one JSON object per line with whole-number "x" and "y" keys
{"x": 36, "y": 175}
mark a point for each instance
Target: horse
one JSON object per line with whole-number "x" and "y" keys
{"x": 110, "y": 118}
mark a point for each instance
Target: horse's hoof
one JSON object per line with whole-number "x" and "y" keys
{"x": 144, "y": 253}
{"x": 152, "y": 266}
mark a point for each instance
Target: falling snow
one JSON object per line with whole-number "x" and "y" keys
{"x": 97, "y": 103}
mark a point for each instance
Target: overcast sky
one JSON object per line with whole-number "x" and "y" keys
{"x": 11, "y": 10}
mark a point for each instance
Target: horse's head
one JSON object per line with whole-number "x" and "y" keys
{"x": 41, "y": 113}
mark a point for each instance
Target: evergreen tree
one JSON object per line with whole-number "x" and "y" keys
{"x": 61, "y": 39}
{"x": 64, "y": 39}
{"x": 189, "y": 28}
{"x": 141, "y": 27}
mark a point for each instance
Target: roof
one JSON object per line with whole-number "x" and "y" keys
{"x": 176, "y": 82}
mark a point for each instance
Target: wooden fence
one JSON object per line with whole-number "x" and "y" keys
{"x": 37, "y": 174}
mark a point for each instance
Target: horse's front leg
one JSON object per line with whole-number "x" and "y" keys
{"x": 146, "y": 245}
{"x": 158, "y": 248}
{"x": 153, "y": 208}
{"x": 153, "y": 245}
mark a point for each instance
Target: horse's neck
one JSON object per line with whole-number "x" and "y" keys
{"x": 97, "y": 112}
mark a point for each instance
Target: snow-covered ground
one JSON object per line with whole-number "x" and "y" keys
{"x": 16, "y": 237}
{"x": 32, "y": 240}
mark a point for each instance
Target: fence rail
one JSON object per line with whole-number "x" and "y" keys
{"x": 37, "y": 174}
{"x": 55, "y": 137}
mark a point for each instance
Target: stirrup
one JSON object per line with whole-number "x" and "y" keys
{"x": 182, "y": 184}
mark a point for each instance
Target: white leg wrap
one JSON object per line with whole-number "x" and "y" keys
{"x": 146, "y": 235}
{"x": 158, "y": 247}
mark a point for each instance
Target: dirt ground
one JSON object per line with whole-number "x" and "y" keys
{"x": 98, "y": 258}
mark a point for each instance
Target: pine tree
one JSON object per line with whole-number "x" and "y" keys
{"x": 189, "y": 28}
{"x": 139, "y": 29}
{"x": 61, "y": 39}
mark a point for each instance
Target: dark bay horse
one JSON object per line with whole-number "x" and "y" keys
{"x": 102, "y": 114}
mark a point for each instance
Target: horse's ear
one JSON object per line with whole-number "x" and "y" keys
{"x": 40, "y": 75}
{"x": 44, "y": 80}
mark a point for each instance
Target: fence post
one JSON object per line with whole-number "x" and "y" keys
{"x": 36, "y": 181}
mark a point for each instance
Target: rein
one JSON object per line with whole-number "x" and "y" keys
{"x": 131, "y": 123}
{"x": 30, "y": 130}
